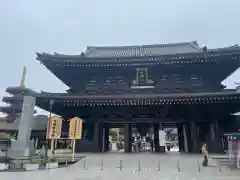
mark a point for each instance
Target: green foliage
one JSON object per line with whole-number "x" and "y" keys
{"x": 113, "y": 133}
{"x": 53, "y": 159}
{"x": 34, "y": 161}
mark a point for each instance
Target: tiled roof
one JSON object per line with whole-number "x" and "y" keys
{"x": 18, "y": 90}
{"x": 97, "y": 52}
{"x": 144, "y": 50}
{"x": 236, "y": 46}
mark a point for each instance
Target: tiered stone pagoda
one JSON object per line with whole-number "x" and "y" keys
{"x": 14, "y": 108}
{"x": 148, "y": 86}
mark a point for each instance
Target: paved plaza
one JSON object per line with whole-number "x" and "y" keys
{"x": 134, "y": 166}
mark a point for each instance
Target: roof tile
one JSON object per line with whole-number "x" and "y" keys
{"x": 144, "y": 50}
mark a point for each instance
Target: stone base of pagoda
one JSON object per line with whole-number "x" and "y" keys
{"x": 19, "y": 150}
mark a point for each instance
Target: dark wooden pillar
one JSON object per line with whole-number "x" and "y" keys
{"x": 214, "y": 142}
{"x": 193, "y": 132}
{"x": 180, "y": 138}
{"x": 189, "y": 138}
{"x": 199, "y": 141}
{"x": 101, "y": 138}
{"x": 97, "y": 137}
{"x": 127, "y": 138}
{"x": 185, "y": 138}
{"x": 156, "y": 137}
{"x": 106, "y": 137}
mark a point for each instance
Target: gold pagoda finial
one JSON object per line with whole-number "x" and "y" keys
{"x": 23, "y": 76}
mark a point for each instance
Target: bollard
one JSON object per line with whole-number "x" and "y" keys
{"x": 121, "y": 165}
{"x": 66, "y": 163}
{"x": 198, "y": 165}
{"x": 139, "y": 166}
{"x": 178, "y": 166}
{"x": 84, "y": 164}
{"x": 219, "y": 167}
{"x": 48, "y": 164}
{"x": 102, "y": 165}
{"x": 158, "y": 165}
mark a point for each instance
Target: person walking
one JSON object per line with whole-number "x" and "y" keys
{"x": 205, "y": 154}
{"x": 152, "y": 144}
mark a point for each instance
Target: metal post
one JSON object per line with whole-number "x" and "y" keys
{"x": 102, "y": 165}
{"x": 139, "y": 166}
{"x": 198, "y": 165}
{"x": 66, "y": 163}
{"x": 84, "y": 164}
{"x": 178, "y": 166}
{"x": 219, "y": 167}
{"x": 158, "y": 165}
{"x": 121, "y": 165}
{"x": 48, "y": 164}
{"x": 46, "y": 144}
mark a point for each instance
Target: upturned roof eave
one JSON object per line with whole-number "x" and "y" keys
{"x": 46, "y": 57}
{"x": 18, "y": 90}
{"x": 132, "y": 96}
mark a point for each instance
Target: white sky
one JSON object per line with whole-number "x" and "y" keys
{"x": 30, "y": 26}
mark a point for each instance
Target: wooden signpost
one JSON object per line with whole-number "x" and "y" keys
{"x": 54, "y": 130}
{"x": 75, "y": 132}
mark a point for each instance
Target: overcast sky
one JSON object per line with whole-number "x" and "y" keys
{"x": 29, "y": 26}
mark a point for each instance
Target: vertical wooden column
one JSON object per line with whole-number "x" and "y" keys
{"x": 106, "y": 140}
{"x": 156, "y": 137}
{"x": 96, "y": 136}
{"x": 193, "y": 132}
{"x": 185, "y": 137}
{"x": 199, "y": 141}
{"x": 180, "y": 139}
{"x": 214, "y": 143}
{"x": 101, "y": 137}
{"x": 127, "y": 138}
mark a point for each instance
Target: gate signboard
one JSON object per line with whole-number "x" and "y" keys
{"x": 75, "y": 128}
{"x": 54, "y": 129}
{"x": 75, "y": 132}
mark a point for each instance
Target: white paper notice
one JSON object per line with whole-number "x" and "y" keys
{"x": 162, "y": 140}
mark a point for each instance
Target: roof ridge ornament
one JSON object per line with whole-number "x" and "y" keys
{"x": 23, "y": 76}
{"x": 195, "y": 44}
{"x": 237, "y": 86}
{"x": 205, "y": 50}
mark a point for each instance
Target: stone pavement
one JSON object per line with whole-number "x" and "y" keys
{"x": 135, "y": 166}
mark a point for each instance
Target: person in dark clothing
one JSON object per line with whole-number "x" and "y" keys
{"x": 151, "y": 141}
{"x": 205, "y": 154}
{"x": 168, "y": 147}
